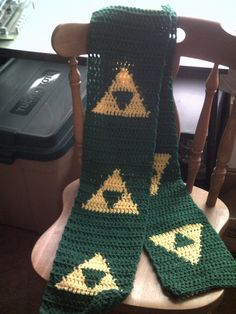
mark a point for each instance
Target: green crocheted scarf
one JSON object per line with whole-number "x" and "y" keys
{"x": 131, "y": 195}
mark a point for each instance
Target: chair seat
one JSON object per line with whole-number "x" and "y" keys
{"x": 146, "y": 285}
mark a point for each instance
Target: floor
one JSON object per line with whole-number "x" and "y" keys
{"x": 21, "y": 288}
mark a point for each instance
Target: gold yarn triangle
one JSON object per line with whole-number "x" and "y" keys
{"x": 123, "y": 82}
{"x": 160, "y": 163}
{"x": 124, "y": 205}
{"x": 191, "y": 252}
{"x": 75, "y": 281}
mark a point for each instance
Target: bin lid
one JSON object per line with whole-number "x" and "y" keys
{"x": 35, "y": 110}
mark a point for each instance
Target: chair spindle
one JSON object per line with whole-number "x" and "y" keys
{"x": 75, "y": 81}
{"x": 212, "y": 84}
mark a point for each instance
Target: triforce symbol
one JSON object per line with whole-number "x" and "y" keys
{"x": 113, "y": 197}
{"x": 89, "y": 278}
{"x": 184, "y": 241}
{"x": 160, "y": 163}
{"x": 122, "y": 98}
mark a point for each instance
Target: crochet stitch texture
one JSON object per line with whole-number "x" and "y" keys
{"x": 131, "y": 194}
{"x": 101, "y": 245}
{"x": 187, "y": 254}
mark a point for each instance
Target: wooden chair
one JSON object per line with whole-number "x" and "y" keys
{"x": 204, "y": 40}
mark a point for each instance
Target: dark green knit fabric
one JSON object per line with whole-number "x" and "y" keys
{"x": 101, "y": 245}
{"x": 131, "y": 195}
{"x": 188, "y": 255}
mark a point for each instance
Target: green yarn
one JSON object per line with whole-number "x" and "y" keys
{"x": 92, "y": 277}
{"x": 182, "y": 241}
{"x": 131, "y": 195}
{"x": 203, "y": 263}
{"x": 105, "y": 232}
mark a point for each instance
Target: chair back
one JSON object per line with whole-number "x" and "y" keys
{"x": 204, "y": 40}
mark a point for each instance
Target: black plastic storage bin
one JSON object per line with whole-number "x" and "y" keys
{"x": 37, "y": 157}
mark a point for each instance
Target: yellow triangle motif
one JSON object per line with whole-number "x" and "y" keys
{"x": 160, "y": 163}
{"x": 75, "y": 281}
{"x": 108, "y": 105}
{"x": 190, "y": 253}
{"x": 124, "y": 204}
